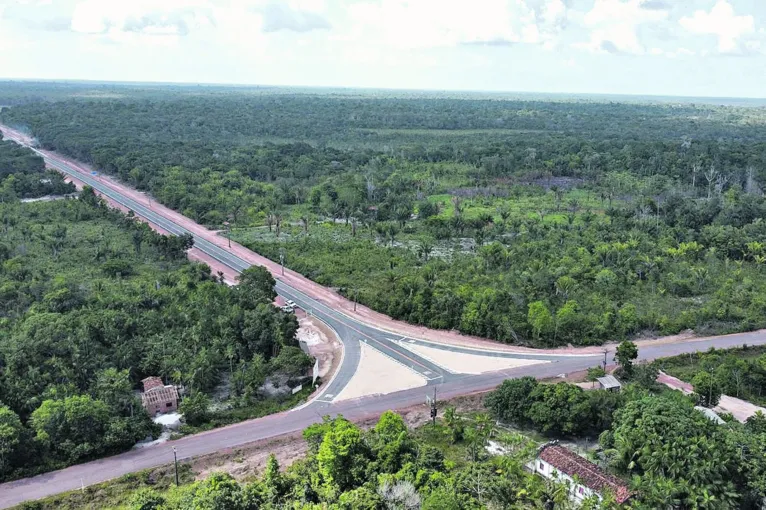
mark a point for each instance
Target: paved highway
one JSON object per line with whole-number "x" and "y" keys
{"x": 351, "y": 331}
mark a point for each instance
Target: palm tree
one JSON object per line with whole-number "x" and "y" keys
{"x": 278, "y": 223}
{"x": 391, "y": 232}
{"x": 505, "y": 214}
{"x": 457, "y": 202}
{"x": 305, "y": 222}
{"x": 425, "y": 249}
{"x": 455, "y": 424}
{"x": 429, "y": 276}
{"x": 356, "y": 217}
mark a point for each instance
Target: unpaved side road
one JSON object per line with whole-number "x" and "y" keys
{"x": 740, "y": 409}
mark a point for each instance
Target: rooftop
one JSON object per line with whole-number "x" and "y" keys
{"x": 159, "y": 395}
{"x": 568, "y": 462}
{"x": 711, "y": 415}
{"x": 151, "y": 382}
{"x": 609, "y": 381}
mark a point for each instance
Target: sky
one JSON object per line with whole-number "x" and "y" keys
{"x": 713, "y": 48}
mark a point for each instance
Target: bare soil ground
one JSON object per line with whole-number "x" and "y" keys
{"x": 249, "y": 460}
{"x": 322, "y": 342}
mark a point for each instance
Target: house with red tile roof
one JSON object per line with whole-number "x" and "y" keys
{"x": 584, "y": 478}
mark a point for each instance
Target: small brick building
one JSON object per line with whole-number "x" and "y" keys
{"x": 158, "y": 398}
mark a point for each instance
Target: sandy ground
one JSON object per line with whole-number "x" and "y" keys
{"x": 461, "y": 363}
{"x": 379, "y": 375}
{"x": 322, "y": 343}
{"x": 740, "y": 409}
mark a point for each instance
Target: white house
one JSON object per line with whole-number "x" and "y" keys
{"x": 583, "y": 477}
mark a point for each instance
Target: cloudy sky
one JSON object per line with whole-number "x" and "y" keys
{"x": 664, "y": 47}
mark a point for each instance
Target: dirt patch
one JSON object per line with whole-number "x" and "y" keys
{"x": 740, "y": 409}
{"x": 571, "y": 377}
{"x": 249, "y": 460}
{"x": 322, "y": 343}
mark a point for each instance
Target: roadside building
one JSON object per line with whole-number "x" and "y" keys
{"x": 157, "y": 397}
{"x": 584, "y": 478}
{"x": 609, "y": 383}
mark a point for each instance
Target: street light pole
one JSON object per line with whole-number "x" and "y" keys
{"x": 282, "y": 259}
{"x": 228, "y": 231}
{"x": 175, "y": 461}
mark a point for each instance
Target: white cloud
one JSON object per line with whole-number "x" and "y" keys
{"x": 129, "y": 21}
{"x": 678, "y": 53}
{"x": 723, "y": 23}
{"x": 283, "y": 16}
{"x": 406, "y": 24}
{"x": 234, "y": 21}
{"x": 613, "y": 25}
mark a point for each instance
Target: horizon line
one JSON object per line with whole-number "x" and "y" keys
{"x": 362, "y": 88}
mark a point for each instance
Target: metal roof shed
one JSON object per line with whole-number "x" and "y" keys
{"x": 609, "y": 383}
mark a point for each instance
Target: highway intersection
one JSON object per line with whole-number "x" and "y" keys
{"x": 353, "y": 331}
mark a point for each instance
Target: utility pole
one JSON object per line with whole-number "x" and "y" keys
{"x": 356, "y": 296}
{"x": 228, "y": 231}
{"x": 175, "y": 461}
{"x": 433, "y": 408}
{"x": 282, "y": 259}
{"x": 605, "y": 352}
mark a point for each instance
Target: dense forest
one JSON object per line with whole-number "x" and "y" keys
{"x": 91, "y": 302}
{"x": 23, "y": 175}
{"x": 525, "y": 221}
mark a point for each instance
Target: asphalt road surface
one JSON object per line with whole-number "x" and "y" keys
{"x": 351, "y": 331}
